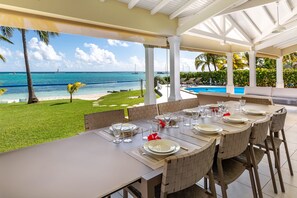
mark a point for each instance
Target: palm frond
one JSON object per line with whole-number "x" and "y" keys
{"x": 2, "y": 58}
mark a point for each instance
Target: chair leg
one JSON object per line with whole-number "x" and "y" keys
{"x": 277, "y": 165}
{"x": 249, "y": 167}
{"x": 221, "y": 178}
{"x": 205, "y": 183}
{"x": 212, "y": 184}
{"x": 270, "y": 166}
{"x": 287, "y": 152}
{"x": 125, "y": 193}
{"x": 255, "y": 168}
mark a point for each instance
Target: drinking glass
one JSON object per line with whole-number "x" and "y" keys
{"x": 195, "y": 117}
{"x": 186, "y": 121}
{"x": 242, "y": 103}
{"x": 127, "y": 134}
{"x": 202, "y": 112}
{"x": 145, "y": 133}
{"x": 117, "y": 130}
{"x": 167, "y": 119}
{"x": 155, "y": 126}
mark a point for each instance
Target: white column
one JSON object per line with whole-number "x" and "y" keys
{"x": 150, "y": 96}
{"x": 252, "y": 64}
{"x": 230, "y": 84}
{"x": 174, "y": 43}
{"x": 279, "y": 73}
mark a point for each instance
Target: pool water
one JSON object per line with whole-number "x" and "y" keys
{"x": 237, "y": 90}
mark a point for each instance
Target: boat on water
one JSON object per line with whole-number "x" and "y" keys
{"x": 135, "y": 72}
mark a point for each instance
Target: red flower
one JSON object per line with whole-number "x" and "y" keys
{"x": 153, "y": 136}
{"x": 227, "y": 114}
{"x": 162, "y": 123}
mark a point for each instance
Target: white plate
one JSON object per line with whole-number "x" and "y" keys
{"x": 190, "y": 111}
{"x": 212, "y": 105}
{"x": 146, "y": 148}
{"x": 161, "y": 146}
{"x": 126, "y": 127}
{"x": 253, "y": 111}
{"x": 235, "y": 119}
{"x": 208, "y": 128}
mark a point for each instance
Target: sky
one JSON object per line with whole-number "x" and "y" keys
{"x": 68, "y": 52}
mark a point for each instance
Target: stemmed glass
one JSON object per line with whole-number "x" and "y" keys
{"x": 167, "y": 119}
{"x": 117, "y": 130}
{"x": 242, "y": 103}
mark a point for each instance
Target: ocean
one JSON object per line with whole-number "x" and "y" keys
{"x": 53, "y": 84}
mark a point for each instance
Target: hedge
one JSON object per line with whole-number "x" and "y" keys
{"x": 265, "y": 77}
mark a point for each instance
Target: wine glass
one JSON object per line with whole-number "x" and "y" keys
{"x": 117, "y": 130}
{"x": 242, "y": 103}
{"x": 167, "y": 119}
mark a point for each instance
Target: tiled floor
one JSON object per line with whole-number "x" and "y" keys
{"x": 241, "y": 187}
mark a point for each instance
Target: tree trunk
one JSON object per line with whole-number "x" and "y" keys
{"x": 32, "y": 97}
{"x": 208, "y": 68}
{"x": 71, "y": 97}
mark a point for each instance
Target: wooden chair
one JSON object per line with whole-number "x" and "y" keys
{"x": 182, "y": 172}
{"x": 142, "y": 112}
{"x": 167, "y": 107}
{"x": 189, "y": 103}
{"x": 103, "y": 119}
{"x": 227, "y": 169}
{"x": 211, "y": 98}
{"x": 258, "y": 100}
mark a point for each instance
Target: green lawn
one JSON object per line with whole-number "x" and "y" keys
{"x": 23, "y": 125}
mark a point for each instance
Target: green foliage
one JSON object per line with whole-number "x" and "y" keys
{"x": 265, "y": 77}
{"x": 26, "y": 125}
{"x": 2, "y": 91}
{"x": 71, "y": 88}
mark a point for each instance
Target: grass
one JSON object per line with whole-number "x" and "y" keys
{"x": 23, "y": 125}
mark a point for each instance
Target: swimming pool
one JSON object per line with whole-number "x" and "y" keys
{"x": 237, "y": 90}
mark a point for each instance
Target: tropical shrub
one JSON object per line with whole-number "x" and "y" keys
{"x": 265, "y": 77}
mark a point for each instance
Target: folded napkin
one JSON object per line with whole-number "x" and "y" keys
{"x": 226, "y": 114}
{"x": 153, "y": 136}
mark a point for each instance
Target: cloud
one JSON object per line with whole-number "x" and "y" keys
{"x": 112, "y": 42}
{"x": 5, "y": 52}
{"x": 40, "y": 51}
{"x": 95, "y": 55}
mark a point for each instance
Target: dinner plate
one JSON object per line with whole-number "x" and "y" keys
{"x": 190, "y": 111}
{"x": 147, "y": 149}
{"x": 235, "y": 119}
{"x": 212, "y": 105}
{"x": 253, "y": 111}
{"x": 161, "y": 146}
{"x": 208, "y": 128}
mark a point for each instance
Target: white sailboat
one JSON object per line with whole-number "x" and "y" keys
{"x": 135, "y": 72}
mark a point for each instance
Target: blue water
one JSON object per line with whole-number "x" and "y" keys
{"x": 51, "y": 84}
{"x": 237, "y": 90}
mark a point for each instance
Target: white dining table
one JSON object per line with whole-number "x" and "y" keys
{"x": 86, "y": 165}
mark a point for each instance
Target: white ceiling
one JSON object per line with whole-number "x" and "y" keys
{"x": 243, "y": 22}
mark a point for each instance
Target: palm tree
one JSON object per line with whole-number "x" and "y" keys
{"x": 43, "y": 36}
{"x": 290, "y": 60}
{"x": 206, "y": 59}
{"x": 2, "y": 91}
{"x": 71, "y": 88}
{"x": 239, "y": 61}
{"x": 6, "y": 32}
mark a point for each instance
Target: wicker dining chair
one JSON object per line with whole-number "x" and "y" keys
{"x": 103, "y": 119}
{"x": 189, "y": 103}
{"x": 142, "y": 112}
{"x": 167, "y": 107}
{"x": 258, "y": 100}
{"x": 182, "y": 172}
{"x": 227, "y": 169}
{"x": 274, "y": 142}
{"x": 259, "y": 135}
{"x": 211, "y": 98}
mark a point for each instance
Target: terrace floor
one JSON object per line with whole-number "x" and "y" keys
{"x": 242, "y": 188}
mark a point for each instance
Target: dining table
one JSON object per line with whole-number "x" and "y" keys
{"x": 90, "y": 165}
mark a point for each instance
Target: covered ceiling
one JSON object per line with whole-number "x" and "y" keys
{"x": 204, "y": 25}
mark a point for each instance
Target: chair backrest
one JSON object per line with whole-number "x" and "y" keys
{"x": 189, "y": 103}
{"x": 142, "y": 112}
{"x": 233, "y": 144}
{"x": 278, "y": 121}
{"x": 183, "y": 171}
{"x": 259, "y": 131}
{"x": 258, "y": 100}
{"x": 171, "y": 106}
{"x": 211, "y": 98}
{"x": 103, "y": 119}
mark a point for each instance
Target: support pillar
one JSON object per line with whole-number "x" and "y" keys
{"x": 279, "y": 73}
{"x": 174, "y": 43}
{"x": 230, "y": 83}
{"x": 252, "y": 65}
{"x": 150, "y": 96}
